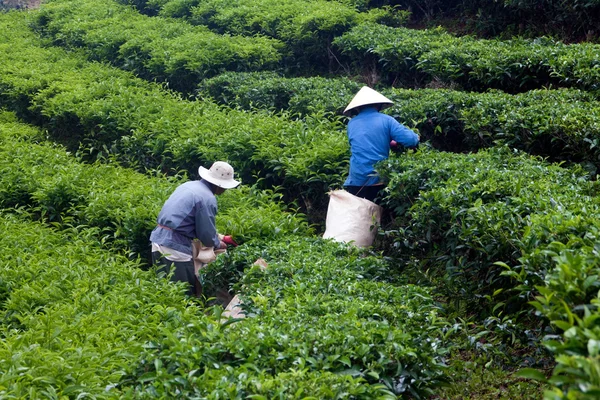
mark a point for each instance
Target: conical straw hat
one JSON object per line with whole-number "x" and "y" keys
{"x": 365, "y": 96}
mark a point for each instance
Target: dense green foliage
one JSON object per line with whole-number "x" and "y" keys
{"x": 418, "y": 57}
{"x": 156, "y": 49}
{"x": 270, "y": 91}
{"x": 559, "y": 124}
{"x": 307, "y": 28}
{"x": 464, "y": 213}
{"x": 319, "y": 307}
{"x": 499, "y": 230}
{"x": 503, "y": 239}
{"x": 131, "y": 335}
{"x": 568, "y": 20}
{"x": 111, "y": 113}
{"x": 120, "y": 203}
{"x": 72, "y": 314}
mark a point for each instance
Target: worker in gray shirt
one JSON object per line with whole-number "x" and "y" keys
{"x": 189, "y": 213}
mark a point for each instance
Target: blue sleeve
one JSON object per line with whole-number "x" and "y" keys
{"x": 206, "y": 229}
{"x": 402, "y": 134}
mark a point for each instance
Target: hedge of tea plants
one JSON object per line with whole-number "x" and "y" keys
{"x": 157, "y": 49}
{"x": 73, "y": 315}
{"x": 307, "y": 28}
{"x": 108, "y": 111}
{"x": 120, "y": 203}
{"x": 528, "y": 122}
{"x": 78, "y": 320}
{"x": 573, "y": 21}
{"x": 462, "y": 214}
{"x": 560, "y": 124}
{"x": 388, "y": 352}
{"x": 120, "y": 118}
{"x": 417, "y": 57}
{"x": 569, "y": 300}
{"x": 499, "y": 229}
{"x": 315, "y": 309}
{"x": 274, "y": 92}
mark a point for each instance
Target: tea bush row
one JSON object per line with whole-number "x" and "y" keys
{"x": 274, "y": 92}
{"x": 414, "y": 57}
{"x": 73, "y": 315}
{"x": 156, "y": 49}
{"x": 120, "y": 203}
{"x": 462, "y": 213}
{"x": 306, "y": 28}
{"x": 108, "y": 111}
{"x": 559, "y": 124}
{"x": 569, "y": 300}
{"x": 321, "y": 306}
{"x": 497, "y": 229}
{"x": 81, "y": 321}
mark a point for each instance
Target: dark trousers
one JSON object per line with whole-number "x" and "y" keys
{"x": 366, "y": 192}
{"x": 182, "y": 272}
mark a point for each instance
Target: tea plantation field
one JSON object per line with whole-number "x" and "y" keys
{"x": 482, "y": 284}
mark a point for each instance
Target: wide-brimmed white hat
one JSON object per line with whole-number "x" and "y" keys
{"x": 366, "y": 96}
{"x": 219, "y": 174}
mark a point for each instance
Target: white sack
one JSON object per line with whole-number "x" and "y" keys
{"x": 351, "y": 219}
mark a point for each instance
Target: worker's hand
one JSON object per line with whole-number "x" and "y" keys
{"x": 395, "y": 147}
{"x": 229, "y": 240}
{"x": 222, "y": 245}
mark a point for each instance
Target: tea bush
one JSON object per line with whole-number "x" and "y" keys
{"x": 73, "y": 315}
{"x": 306, "y": 28}
{"x": 271, "y": 91}
{"x": 109, "y": 113}
{"x": 317, "y": 307}
{"x": 419, "y": 57}
{"x": 558, "y": 124}
{"x": 156, "y": 49}
{"x": 461, "y": 214}
{"x": 573, "y": 21}
{"x": 566, "y": 295}
{"x": 121, "y": 203}
{"x": 79, "y": 319}
{"x": 496, "y": 229}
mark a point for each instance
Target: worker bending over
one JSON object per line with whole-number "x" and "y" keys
{"x": 187, "y": 214}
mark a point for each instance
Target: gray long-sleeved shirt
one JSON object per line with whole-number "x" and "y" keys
{"x": 188, "y": 213}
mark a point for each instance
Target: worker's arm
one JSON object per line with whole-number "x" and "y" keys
{"x": 402, "y": 135}
{"x": 206, "y": 229}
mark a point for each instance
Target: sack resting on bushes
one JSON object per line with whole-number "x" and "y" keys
{"x": 351, "y": 219}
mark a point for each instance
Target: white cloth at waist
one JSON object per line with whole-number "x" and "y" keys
{"x": 170, "y": 254}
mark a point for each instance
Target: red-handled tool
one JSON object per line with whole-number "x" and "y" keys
{"x": 229, "y": 240}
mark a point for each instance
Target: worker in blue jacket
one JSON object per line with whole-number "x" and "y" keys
{"x": 189, "y": 213}
{"x": 372, "y": 135}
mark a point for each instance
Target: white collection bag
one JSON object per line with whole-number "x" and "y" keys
{"x": 351, "y": 219}
{"x": 202, "y": 255}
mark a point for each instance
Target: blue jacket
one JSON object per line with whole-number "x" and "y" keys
{"x": 188, "y": 213}
{"x": 370, "y": 133}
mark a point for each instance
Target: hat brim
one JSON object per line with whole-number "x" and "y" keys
{"x": 367, "y": 97}
{"x": 225, "y": 184}
{"x": 348, "y": 111}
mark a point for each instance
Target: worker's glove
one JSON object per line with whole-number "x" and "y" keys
{"x": 229, "y": 240}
